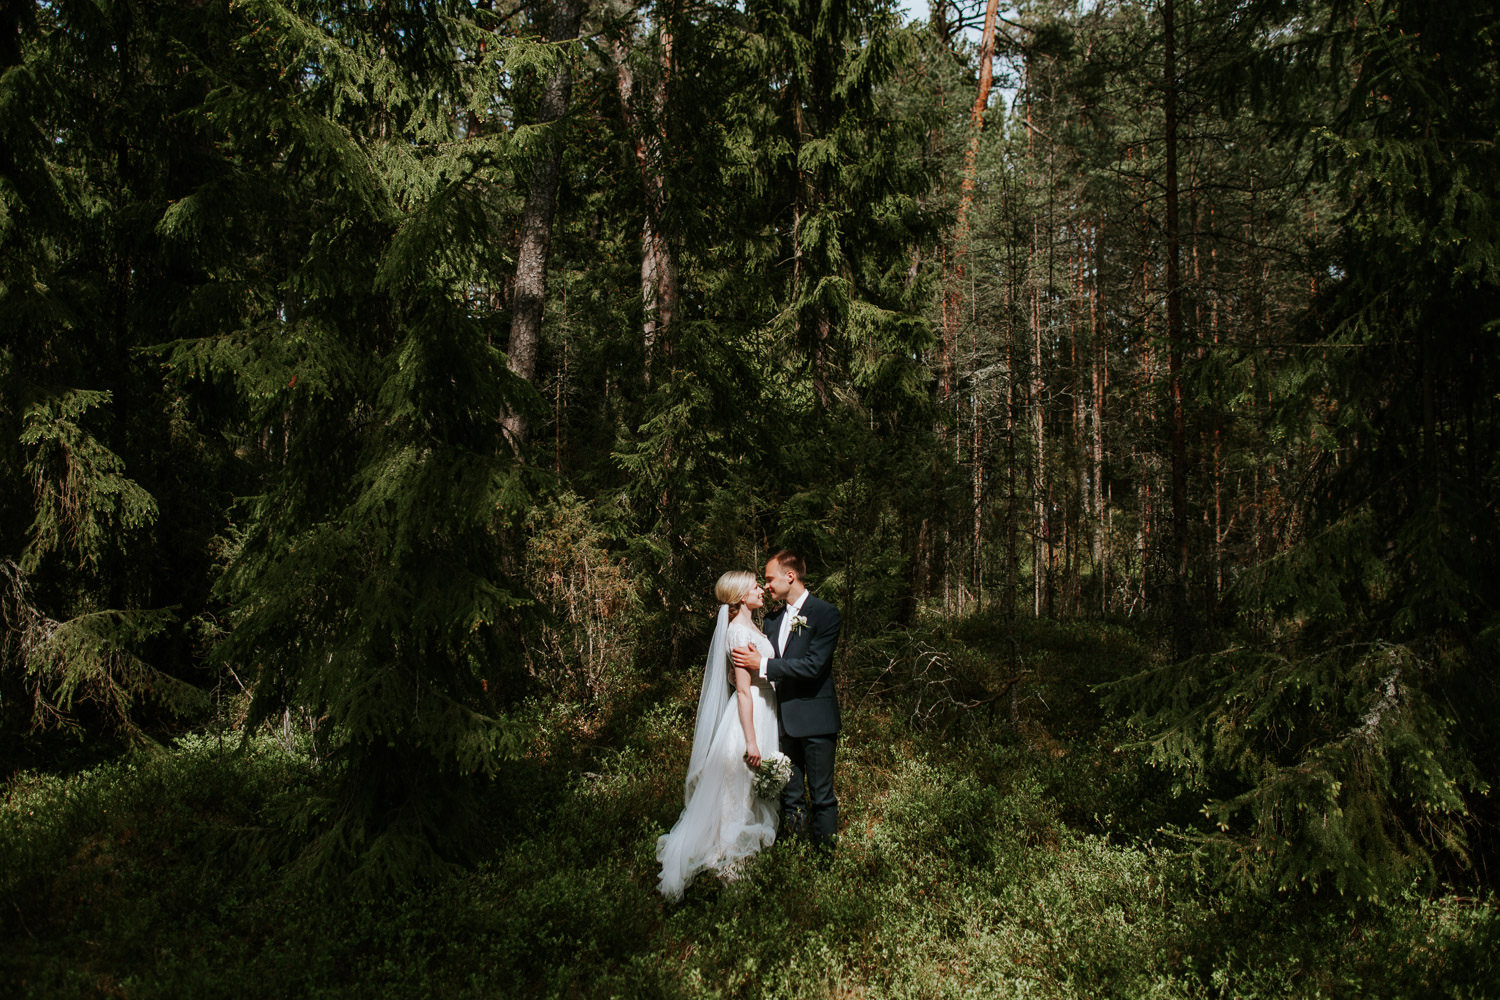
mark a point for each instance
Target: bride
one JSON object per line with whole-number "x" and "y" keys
{"x": 723, "y": 821}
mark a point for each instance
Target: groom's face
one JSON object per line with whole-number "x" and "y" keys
{"x": 778, "y": 580}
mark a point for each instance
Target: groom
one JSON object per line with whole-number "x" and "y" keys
{"x": 804, "y": 633}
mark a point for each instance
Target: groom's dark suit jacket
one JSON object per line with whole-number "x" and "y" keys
{"x": 803, "y": 672}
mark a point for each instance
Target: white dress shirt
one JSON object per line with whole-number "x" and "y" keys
{"x": 792, "y": 611}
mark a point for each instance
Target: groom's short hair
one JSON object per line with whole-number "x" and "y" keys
{"x": 787, "y": 559}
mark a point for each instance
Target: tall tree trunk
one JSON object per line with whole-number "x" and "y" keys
{"x": 1012, "y": 550}
{"x": 976, "y": 571}
{"x": 1182, "y": 628}
{"x": 648, "y": 140}
{"x": 1040, "y": 554}
{"x": 955, "y": 262}
{"x": 958, "y": 259}
{"x": 1078, "y": 504}
{"x": 1220, "y": 527}
{"x": 1099, "y": 524}
{"x": 530, "y": 291}
{"x": 1144, "y": 457}
{"x": 1013, "y": 292}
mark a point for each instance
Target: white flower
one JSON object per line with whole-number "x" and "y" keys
{"x": 799, "y": 622}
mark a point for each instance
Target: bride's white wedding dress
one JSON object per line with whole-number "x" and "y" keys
{"x": 723, "y": 822}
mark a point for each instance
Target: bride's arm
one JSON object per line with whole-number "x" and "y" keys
{"x": 747, "y": 716}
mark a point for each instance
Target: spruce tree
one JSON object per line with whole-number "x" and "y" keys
{"x": 372, "y": 585}
{"x": 109, "y": 524}
{"x": 793, "y": 378}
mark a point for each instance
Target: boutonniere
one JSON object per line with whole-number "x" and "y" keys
{"x": 799, "y": 622}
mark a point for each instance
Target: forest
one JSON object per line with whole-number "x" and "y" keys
{"x": 385, "y": 384}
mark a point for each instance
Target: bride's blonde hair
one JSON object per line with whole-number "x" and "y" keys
{"x": 732, "y": 588}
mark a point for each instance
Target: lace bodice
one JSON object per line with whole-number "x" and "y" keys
{"x": 747, "y": 635}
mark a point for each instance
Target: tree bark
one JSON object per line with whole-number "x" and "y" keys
{"x": 957, "y": 260}
{"x": 530, "y": 291}
{"x": 1041, "y": 556}
{"x": 977, "y": 566}
{"x": 1099, "y": 550}
{"x": 1181, "y": 626}
{"x": 649, "y": 140}
{"x": 1143, "y": 456}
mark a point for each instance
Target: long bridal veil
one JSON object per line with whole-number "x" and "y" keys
{"x": 714, "y": 693}
{"x": 720, "y": 821}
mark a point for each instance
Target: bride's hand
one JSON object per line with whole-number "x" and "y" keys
{"x": 752, "y": 756}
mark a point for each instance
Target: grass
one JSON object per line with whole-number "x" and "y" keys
{"x": 1004, "y": 853}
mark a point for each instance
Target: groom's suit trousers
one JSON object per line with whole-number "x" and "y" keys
{"x": 813, "y": 812}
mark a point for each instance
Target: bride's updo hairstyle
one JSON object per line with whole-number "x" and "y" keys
{"x": 732, "y": 588}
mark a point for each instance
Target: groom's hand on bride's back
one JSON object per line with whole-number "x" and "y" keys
{"x": 746, "y": 658}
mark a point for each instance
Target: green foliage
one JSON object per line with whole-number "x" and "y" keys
{"x": 792, "y": 384}
{"x": 84, "y": 501}
{"x": 111, "y": 528}
{"x": 373, "y": 580}
{"x": 1325, "y": 738}
{"x": 1416, "y": 309}
{"x": 957, "y": 875}
{"x": 88, "y": 660}
{"x": 1334, "y": 767}
{"x": 255, "y": 268}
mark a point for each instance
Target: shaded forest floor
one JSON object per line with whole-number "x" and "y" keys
{"x": 997, "y": 842}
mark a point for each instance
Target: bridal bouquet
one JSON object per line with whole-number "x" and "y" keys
{"x": 772, "y": 775}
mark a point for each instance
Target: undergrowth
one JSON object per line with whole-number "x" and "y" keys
{"x": 986, "y": 853}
